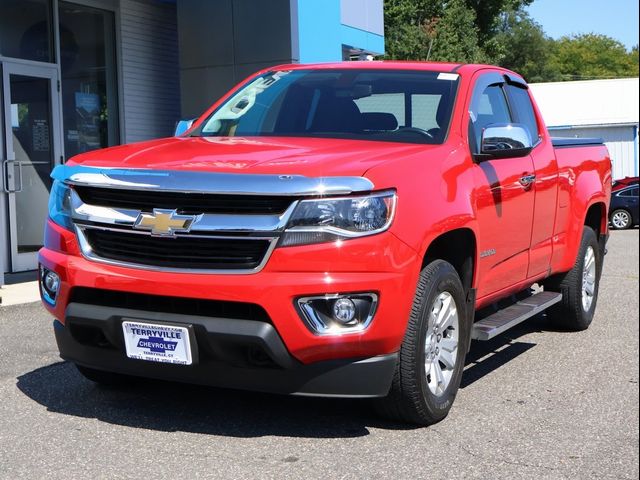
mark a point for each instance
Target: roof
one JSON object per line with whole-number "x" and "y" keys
{"x": 376, "y": 64}
{"x": 586, "y": 103}
{"x": 461, "y": 68}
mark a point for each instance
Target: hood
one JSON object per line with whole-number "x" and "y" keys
{"x": 313, "y": 157}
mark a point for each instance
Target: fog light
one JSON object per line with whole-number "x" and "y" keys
{"x": 51, "y": 282}
{"x": 49, "y": 285}
{"x": 344, "y": 310}
{"x": 338, "y": 314}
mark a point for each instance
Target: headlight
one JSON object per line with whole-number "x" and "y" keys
{"x": 60, "y": 204}
{"x": 328, "y": 219}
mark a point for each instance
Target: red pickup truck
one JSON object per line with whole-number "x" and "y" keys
{"x": 335, "y": 230}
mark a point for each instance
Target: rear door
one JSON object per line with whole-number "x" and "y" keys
{"x": 504, "y": 205}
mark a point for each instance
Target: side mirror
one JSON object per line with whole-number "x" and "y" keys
{"x": 182, "y": 126}
{"x": 504, "y": 141}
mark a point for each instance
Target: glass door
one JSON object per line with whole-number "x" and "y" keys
{"x": 31, "y": 150}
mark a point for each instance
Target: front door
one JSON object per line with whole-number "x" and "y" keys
{"x": 504, "y": 201}
{"x": 31, "y": 148}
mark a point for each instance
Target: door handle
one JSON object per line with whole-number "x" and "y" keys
{"x": 527, "y": 180}
{"x": 7, "y": 167}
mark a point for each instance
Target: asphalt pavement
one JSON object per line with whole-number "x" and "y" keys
{"x": 535, "y": 403}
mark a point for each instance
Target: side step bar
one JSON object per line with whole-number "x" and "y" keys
{"x": 504, "y": 319}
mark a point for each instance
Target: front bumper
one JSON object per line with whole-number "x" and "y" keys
{"x": 382, "y": 264}
{"x": 221, "y": 356}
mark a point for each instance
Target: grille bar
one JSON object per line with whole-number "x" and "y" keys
{"x": 188, "y": 203}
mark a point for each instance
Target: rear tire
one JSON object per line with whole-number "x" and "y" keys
{"x": 621, "y": 219}
{"x": 101, "y": 377}
{"x": 579, "y": 286}
{"x": 432, "y": 354}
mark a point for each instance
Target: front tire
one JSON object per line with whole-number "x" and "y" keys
{"x": 579, "y": 286}
{"x": 621, "y": 219}
{"x": 433, "y": 351}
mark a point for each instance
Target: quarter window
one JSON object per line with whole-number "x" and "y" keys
{"x": 389, "y": 103}
{"x": 426, "y": 112}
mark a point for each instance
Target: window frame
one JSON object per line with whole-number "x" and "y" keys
{"x": 629, "y": 189}
{"x": 503, "y": 79}
{"x": 484, "y": 81}
{"x": 203, "y": 121}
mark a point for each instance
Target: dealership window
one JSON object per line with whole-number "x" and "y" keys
{"x": 25, "y": 29}
{"x": 89, "y": 82}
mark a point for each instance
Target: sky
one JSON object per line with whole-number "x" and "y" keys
{"x": 615, "y": 18}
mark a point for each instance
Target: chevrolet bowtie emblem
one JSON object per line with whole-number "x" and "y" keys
{"x": 164, "y": 222}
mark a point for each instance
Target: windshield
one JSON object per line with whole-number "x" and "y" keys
{"x": 401, "y": 106}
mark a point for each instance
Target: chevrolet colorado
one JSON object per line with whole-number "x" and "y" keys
{"x": 336, "y": 230}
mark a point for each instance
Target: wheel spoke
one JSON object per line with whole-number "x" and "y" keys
{"x": 589, "y": 289}
{"x": 449, "y": 318}
{"x": 589, "y": 261}
{"x": 449, "y": 345}
{"x": 447, "y": 358}
{"x": 444, "y": 311}
{"x": 427, "y": 363}
{"x": 437, "y": 372}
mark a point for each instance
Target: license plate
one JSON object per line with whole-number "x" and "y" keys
{"x": 157, "y": 343}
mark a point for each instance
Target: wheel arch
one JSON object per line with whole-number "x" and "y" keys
{"x": 458, "y": 247}
{"x": 596, "y": 217}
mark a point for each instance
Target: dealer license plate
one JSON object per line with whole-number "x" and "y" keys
{"x": 157, "y": 343}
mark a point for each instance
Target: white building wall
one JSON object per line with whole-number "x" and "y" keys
{"x": 589, "y": 102}
{"x": 620, "y": 140}
{"x": 595, "y": 108}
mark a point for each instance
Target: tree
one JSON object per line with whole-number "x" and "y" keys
{"x": 454, "y": 36}
{"x": 499, "y": 32}
{"x": 592, "y": 56}
{"x": 488, "y": 13}
{"x": 405, "y": 34}
{"x": 441, "y": 30}
{"x": 456, "y": 30}
{"x": 521, "y": 45}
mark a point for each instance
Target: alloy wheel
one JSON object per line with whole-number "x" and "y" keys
{"x": 588, "y": 278}
{"x": 441, "y": 343}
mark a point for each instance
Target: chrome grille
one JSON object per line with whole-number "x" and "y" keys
{"x": 109, "y": 230}
{"x": 184, "y": 202}
{"x": 136, "y": 217}
{"x": 180, "y": 252}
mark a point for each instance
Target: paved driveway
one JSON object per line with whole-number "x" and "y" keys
{"x": 535, "y": 403}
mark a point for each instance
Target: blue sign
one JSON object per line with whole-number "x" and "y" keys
{"x": 157, "y": 344}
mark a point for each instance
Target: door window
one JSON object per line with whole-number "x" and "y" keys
{"x": 32, "y": 137}
{"x": 631, "y": 192}
{"x": 523, "y": 109}
{"x": 492, "y": 107}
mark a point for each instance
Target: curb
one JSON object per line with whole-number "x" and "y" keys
{"x": 19, "y": 293}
